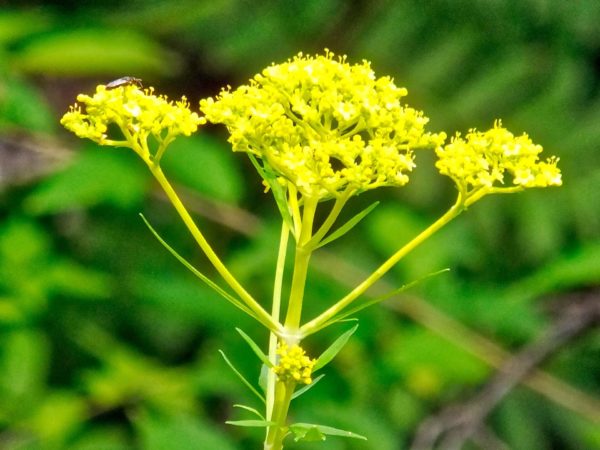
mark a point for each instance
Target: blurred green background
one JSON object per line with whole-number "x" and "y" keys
{"x": 107, "y": 343}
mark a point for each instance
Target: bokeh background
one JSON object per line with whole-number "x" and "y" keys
{"x": 107, "y": 343}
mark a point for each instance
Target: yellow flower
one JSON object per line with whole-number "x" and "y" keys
{"x": 294, "y": 366}
{"x": 496, "y": 157}
{"x": 137, "y": 113}
{"x": 324, "y": 125}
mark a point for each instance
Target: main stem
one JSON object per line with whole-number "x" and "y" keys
{"x": 276, "y": 433}
{"x": 282, "y": 395}
{"x": 301, "y": 260}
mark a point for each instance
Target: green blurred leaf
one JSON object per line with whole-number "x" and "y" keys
{"x": 22, "y": 243}
{"x": 97, "y": 176}
{"x": 576, "y": 267}
{"x": 101, "y": 438}
{"x": 25, "y": 257}
{"x": 23, "y": 106}
{"x": 521, "y": 425}
{"x": 179, "y": 432}
{"x": 127, "y": 376}
{"x": 69, "y": 278}
{"x": 24, "y": 363}
{"x": 17, "y": 24}
{"x": 57, "y": 417}
{"x": 183, "y": 300}
{"x": 88, "y": 51}
{"x": 207, "y": 165}
{"x": 429, "y": 363}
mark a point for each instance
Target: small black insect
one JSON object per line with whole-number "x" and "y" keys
{"x": 124, "y": 81}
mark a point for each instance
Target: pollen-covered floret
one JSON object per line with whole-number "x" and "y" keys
{"x": 324, "y": 125}
{"x": 293, "y": 364}
{"x": 496, "y": 156}
{"x": 137, "y": 113}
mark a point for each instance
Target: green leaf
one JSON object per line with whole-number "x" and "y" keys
{"x": 341, "y": 317}
{"x": 278, "y": 191}
{"x": 19, "y": 23}
{"x": 207, "y": 165}
{"x": 333, "y": 349}
{"x": 248, "y": 408}
{"x": 301, "y": 391}
{"x": 348, "y": 225}
{"x": 96, "y": 177}
{"x": 23, "y": 105}
{"x": 309, "y": 432}
{"x": 199, "y": 274}
{"x": 250, "y": 423}
{"x": 263, "y": 379}
{"x": 23, "y": 370}
{"x": 177, "y": 432}
{"x": 241, "y": 377}
{"x": 255, "y": 348}
{"x": 89, "y": 51}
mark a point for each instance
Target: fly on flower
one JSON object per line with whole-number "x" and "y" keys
{"x": 124, "y": 81}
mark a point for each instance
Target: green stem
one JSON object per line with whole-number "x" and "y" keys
{"x": 275, "y": 311}
{"x": 301, "y": 259}
{"x": 261, "y": 314}
{"x": 277, "y": 433}
{"x": 331, "y": 218}
{"x": 317, "y": 323}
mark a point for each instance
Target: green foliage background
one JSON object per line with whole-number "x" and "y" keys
{"x": 107, "y": 343}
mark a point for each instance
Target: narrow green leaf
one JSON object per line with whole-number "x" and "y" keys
{"x": 334, "y": 349}
{"x": 341, "y": 317}
{"x": 250, "y": 423}
{"x": 278, "y": 191}
{"x": 199, "y": 274}
{"x": 301, "y": 391}
{"x": 348, "y": 225}
{"x": 255, "y": 348}
{"x": 248, "y": 408}
{"x": 311, "y": 432}
{"x": 263, "y": 378}
{"x": 241, "y": 377}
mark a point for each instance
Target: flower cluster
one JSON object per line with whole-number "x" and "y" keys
{"x": 324, "y": 125}
{"x": 136, "y": 112}
{"x": 293, "y": 364}
{"x": 482, "y": 159}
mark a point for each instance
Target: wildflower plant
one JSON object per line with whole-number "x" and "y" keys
{"x": 319, "y": 131}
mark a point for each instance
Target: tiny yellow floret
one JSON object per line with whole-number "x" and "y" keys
{"x": 324, "y": 125}
{"x": 495, "y": 158}
{"x": 294, "y": 365}
{"x": 137, "y": 113}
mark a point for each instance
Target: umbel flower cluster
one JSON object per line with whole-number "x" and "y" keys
{"x": 138, "y": 114}
{"x": 319, "y": 124}
{"x": 482, "y": 160}
{"x": 294, "y": 365}
{"x": 324, "y": 125}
